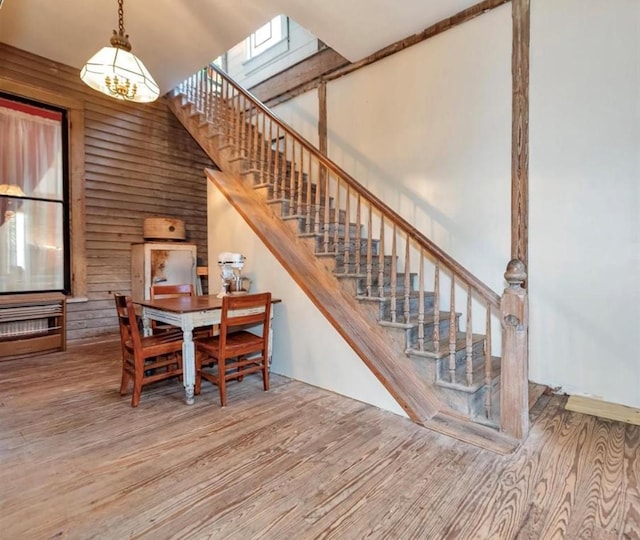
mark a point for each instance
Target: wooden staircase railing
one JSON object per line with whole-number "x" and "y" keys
{"x": 451, "y": 315}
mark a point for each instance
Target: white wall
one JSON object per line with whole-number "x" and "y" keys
{"x": 585, "y": 197}
{"x": 428, "y": 130}
{"x": 305, "y": 346}
{"x": 422, "y": 126}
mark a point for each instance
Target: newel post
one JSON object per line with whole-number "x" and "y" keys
{"x": 514, "y": 383}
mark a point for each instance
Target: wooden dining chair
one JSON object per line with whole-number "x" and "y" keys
{"x": 174, "y": 291}
{"x": 236, "y": 352}
{"x": 168, "y": 291}
{"x": 145, "y": 359}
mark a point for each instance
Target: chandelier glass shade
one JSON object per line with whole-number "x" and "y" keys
{"x": 118, "y": 73}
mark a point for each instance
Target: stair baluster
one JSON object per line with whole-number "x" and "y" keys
{"x": 381, "y": 259}
{"x": 421, "y": 303}
{"x": 292, "y": 179}
{"x": 452, "y": 330}
{"x": 308, "y": 194}
{"x": 488, "y": 384}
{"x": 469, "y": 340}
{"x": 242, "y": 120}
{"x": 358, "y": 241}
{"x": 300, "y": 183}
{"x": 407, "y": 283}
{"x": 264, "y": 154}
{"x": 336, "y": 218}
{"x": 347, "y": 235}
{"x": 327, "y": 207}
{"x": 369, "y": 279}
{"x": 317, "y": 200}
{"x": 436, "y": 308}
{"x": 277, "y": 186}
{"x": 394, "y": 275}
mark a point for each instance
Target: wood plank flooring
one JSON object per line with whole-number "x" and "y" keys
{"x": 297, "y": 462}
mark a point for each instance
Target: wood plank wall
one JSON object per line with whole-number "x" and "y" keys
{"x": 139, "y": 162}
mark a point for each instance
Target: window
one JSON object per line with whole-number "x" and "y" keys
{"x": 34, "y": 197}
{"x": 267, "y": 36}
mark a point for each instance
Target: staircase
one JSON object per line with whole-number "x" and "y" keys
{"x": 419, "y": 320}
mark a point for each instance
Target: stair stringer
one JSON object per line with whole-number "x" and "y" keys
{"x": 397, "y": 374}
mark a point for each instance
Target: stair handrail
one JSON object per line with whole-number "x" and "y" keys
{"x": 484, "y": 290}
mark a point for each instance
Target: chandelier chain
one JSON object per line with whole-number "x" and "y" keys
{"x": 120, "y": 17}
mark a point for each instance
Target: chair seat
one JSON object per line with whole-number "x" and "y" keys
{"x": 165, "y": 343}
{"x": 238, "y": 343}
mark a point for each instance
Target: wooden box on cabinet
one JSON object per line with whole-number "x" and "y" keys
{"x": 32, "y": 323}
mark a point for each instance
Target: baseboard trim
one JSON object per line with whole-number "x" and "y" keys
{"x": 604, "y": 409}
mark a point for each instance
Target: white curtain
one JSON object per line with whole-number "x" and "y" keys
{"x": 31, "y": 231}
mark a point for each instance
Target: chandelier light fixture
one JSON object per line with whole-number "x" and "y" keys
{"x": 116, "y": 72}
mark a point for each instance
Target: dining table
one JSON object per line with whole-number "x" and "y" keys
{"x": 187, "y": 313}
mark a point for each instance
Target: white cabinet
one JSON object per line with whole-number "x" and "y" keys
{"x": 161, "y": 263}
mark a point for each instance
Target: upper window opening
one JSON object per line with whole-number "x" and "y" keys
{"x": 267, "y": 36}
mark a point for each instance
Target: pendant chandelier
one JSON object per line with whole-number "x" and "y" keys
{"x": 116, "y": 72}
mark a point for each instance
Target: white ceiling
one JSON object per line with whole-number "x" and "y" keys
{"x": 174, "y": 38}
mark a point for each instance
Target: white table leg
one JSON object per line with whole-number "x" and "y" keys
{"x": 146, "y": 325}
{"x": 188, "y": 363}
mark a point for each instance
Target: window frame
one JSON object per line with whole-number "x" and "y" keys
{"x": 253, "y": 51}
{"x": 76, "y": 167}
{"x": 66, "y": 234}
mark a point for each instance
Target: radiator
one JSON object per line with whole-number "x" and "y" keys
{"x": 18, "y": 328}
{"x": 26, "y": 320}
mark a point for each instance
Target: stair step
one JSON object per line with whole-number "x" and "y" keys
{"x": 386, "y": 282}
{"x": 306, "y": 216}
{"x": 406, "y": 335}
{"x": 478, "y": 377}
{"x": 385, "y": 303}
{"x": 412, "y": 327}
{"x": 471, "y": 400}
{"x": 429, "y": 350}
{"x": 341, "y": 268}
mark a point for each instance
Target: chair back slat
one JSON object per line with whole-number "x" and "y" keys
{"x": 123, "y": 317}
{"x": 172, "y": 291}
{"x": 243, "y": 310}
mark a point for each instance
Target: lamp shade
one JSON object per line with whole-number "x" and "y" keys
{"x": 119, "y": 74}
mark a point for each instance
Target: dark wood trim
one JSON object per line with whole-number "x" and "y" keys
{"x": 322, "y": 117}
{"x": 520, "y": 131}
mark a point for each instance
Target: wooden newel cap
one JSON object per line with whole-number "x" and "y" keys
{"x": 516, "y": 273}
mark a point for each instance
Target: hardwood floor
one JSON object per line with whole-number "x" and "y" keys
{"x": 296, "y": 462}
